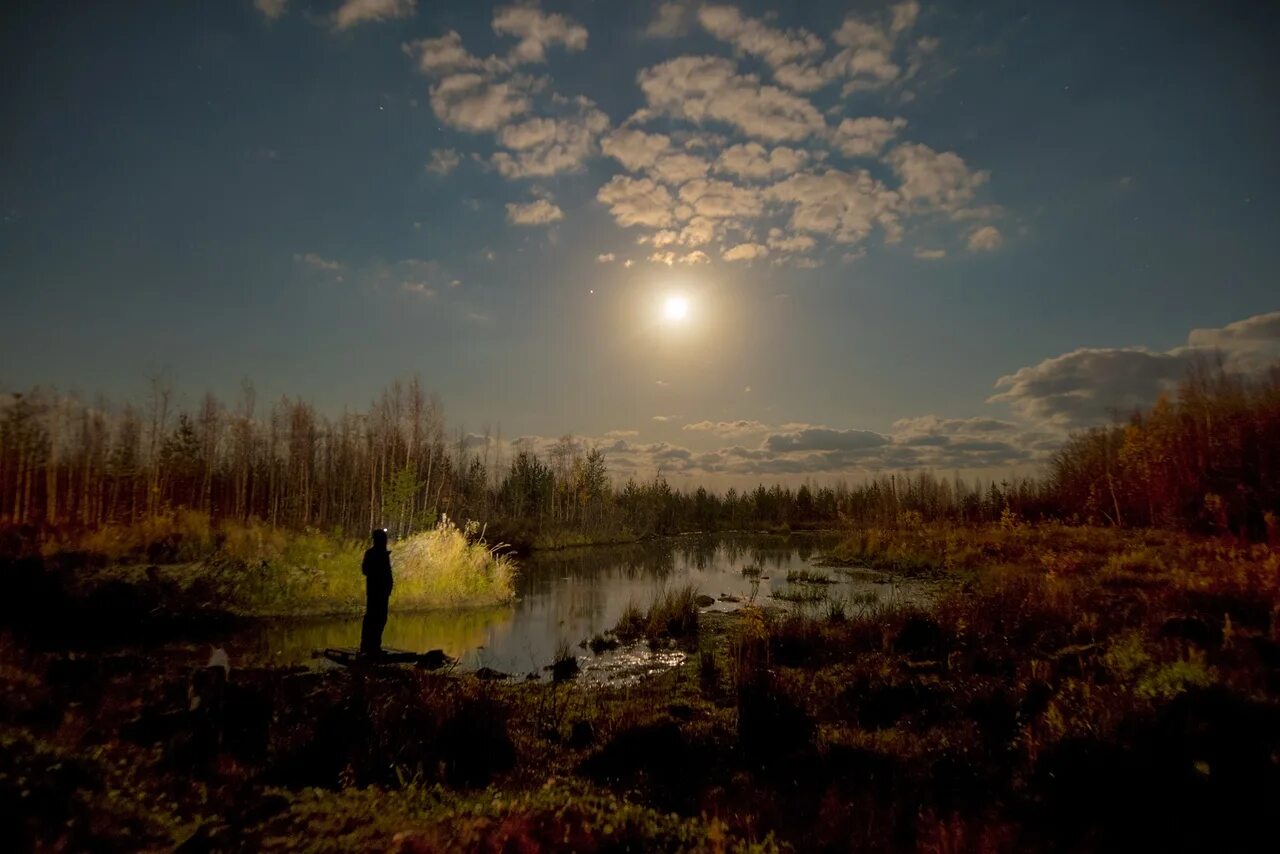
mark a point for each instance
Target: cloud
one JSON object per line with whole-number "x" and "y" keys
{"x": 753, "y": 162}
{"x": 929, "y": 254}
{"x": 1091, "y": 386}
{"x": 708, "y": 88}
{"x": 472, "y": 102}
{"x": 753, "y": 37}
{"x": 817, "y": 438}
{"x": 727, "y": 428}
{"x": 446, "y": 54}
{"x": 745, "y": 252}
{"x": 443, "y": 161}
{"x": 549, "y": 146}
{"x": 844, "y": 205}
{"x": 866, "y": 136}
{"x": 537, "y": 31}
{"x": 537, "y": 212}
{"x": 271, "y": 9}
{"x": 605, "y": 258}
{"x": 635, "y": 149}
{"x": 637, "y": 201}
{"x": 985, "y": 239}
{"x": 317, "y": 262}
{"x": 622, "y": 434}
{"x": 672, "y": 19}
{"x": 717, "y": 199}
{"x": 936, "y": 180}
{"x": 1247, "y": 345}
{"x": 678, "y": 168}
{"x": 782, "y": 242}
{"x": 353, "y": 12}
{"x": 666, "y": 418}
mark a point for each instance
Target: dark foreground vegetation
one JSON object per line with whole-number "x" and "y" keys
{"x": 1072, "y": 689}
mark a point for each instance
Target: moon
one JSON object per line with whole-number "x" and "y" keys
{"x": 675, "y": 309}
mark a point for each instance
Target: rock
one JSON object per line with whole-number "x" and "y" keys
{"x": 703, "y": 600}
{"x": 565, "y": 668}
{"x": 435, "y": 659}
{"x": 490, "y": 675}
{"x": 724, "y": 597}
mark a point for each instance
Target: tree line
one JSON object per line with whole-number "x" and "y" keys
{"x": 1206, "y": 458}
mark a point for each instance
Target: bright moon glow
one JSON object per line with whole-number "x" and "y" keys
{"x": 675, "y": 309}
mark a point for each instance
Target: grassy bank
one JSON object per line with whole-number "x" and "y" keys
{"x": 181, "y": 563}
{"x": 1073, "y": 689}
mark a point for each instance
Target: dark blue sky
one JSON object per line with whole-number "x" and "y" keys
{"x": 229, "y": 189}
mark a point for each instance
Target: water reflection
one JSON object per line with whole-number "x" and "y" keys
{"x": 566, "y": 597}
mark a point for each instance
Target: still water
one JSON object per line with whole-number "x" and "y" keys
{"x": 568, "y": 596}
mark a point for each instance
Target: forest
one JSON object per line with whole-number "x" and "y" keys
{"x": 1204, "y": 459}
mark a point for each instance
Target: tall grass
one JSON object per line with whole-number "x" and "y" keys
{"x": 673, "y": 614}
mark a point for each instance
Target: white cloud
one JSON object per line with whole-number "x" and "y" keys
{"x": 446, "y": 53}
{"x": 549, "y": 146}
{"x": 353, "y": 12}
{"x": 741, "y": 427}
{"x": 271, "y": 9}
{"x": 606, "y": 258}
{"x": 985, "y": 239}
{"x": 472, "y": 102}
{"x": 443, "y": 161}
{"x": 537, "y": 212}
{"x": 678, "y": 168}
{"x": 866, "y": 136}
{"x": 933, "y": 179}
{"x": 929, "y": 254}
{"x": 317, "y": 262}
{"x": 818, "y": 438}
{"x": 754, "y": 37}
{"x": 716, "y": 199}
{"x": 752, "y": 161}
{"x": 635, "y": 149}
{"x": 672, "y": 19}
{"x": 537, "y": 31}
{"x": 782, "y": 242}
{"x": 637, "y": 201}
{"x": 844, "y": 205}
{"x": 708, "y": 88}
{"x": 1248, "y": 344}
{"x": 746, "y": 252}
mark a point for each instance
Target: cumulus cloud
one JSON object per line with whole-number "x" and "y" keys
{"x": 780, "y": 241}
{"x": 717, "y": 199}
{"x": 637, "y": 201}
{"x": 1247, "y": 345}
{"x": 543, "y": 146}
{"x": 672, "y": 19}
{"x": 353, "y": 12}
{"x": 446, "y": 53}
{"x": 704, "y": 89}
{"x": 635, "y": 149}
{"x": 745, "y": 252}
{"x": 753, "y": 37}
{"x": 817, "y": 438}
{"x": 934, "y": 179}
{"x": 443, "y": 161}
{"x": 537, "y": 31}
{"x": 271, "y": 9}
{"x": 473, "y": 102}
{"x": 317, "y": 262}
{"x": 985, "y": 239}
{"x": 605, "y": 258}
{"x": 1091, "y": 386}
{"x": 929, "y": 254}
{"x": 866, "y": 136}
{"x": 741, "y": 427}
{"x": 537, "y": 212}
{"x": 753, "y": 161}
{"x": 844, "y": 205}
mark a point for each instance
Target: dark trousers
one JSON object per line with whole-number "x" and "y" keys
{"x": 375, "y": 616}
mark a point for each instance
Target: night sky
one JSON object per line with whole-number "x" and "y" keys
{"x": 729, "y": 241}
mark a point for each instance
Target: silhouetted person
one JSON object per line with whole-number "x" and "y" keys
{"x": 377, "y": 586}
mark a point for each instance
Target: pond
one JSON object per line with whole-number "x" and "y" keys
{"x": 568, "y": 596}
